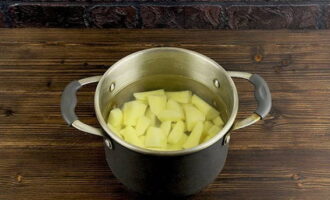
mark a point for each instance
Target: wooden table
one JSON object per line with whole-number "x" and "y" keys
{"x": 286, "y": 156}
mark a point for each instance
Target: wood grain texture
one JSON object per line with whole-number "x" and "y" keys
{"x": 286, "y": 156}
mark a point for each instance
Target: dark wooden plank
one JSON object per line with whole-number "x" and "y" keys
{"x": 286, "y": 156}
{"x": 49, "y": 172}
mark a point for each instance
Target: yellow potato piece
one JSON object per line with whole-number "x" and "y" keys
{"x": 182, "y": 139}
{"x": 207, "y": 126}
{"x": 207, "y": 138}
{"x": 142, "y": 139}
{"x": 180, "y": 96}
{"x": 115, "y": 130}
{"x": 204, "y": 107}
{"x": 157, "y": 103}
{"x": 151, "y": 116}
{"x": 184, "y": 126}
{"x": 144, "y": 95}
{"x": 155, "y": 138}
{"x": 130, "y": 136}
{"x": 175, "y": 106}
{"x": 194, "y": 137}
{"x": 166, "y": 127}
{"x": 169, "y": 115}
{"x": 193, "y": 115}
{"x": 133, "y": 110}
{"x": 178, "y": 145}
{"x": 176, "y": 133}
{"x": 214, "y": 130}
{"x": 142, "y": 124}
{"x": 218, "y": 121}
{"x": 156, "y": 149}
{"x": 115, "y": 117}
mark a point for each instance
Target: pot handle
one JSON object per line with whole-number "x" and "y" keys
{"x": 69, "y": 102}
{"x": 261, "y": 94}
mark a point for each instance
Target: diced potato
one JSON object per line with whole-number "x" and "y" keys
{"x": 151, "y": 116}
{"x": 214, "y": 130}
{"x": 207, "y": 126}
{"x": 157, "y": 103}
{"x": 182, "y": 139}
{"x": 193, "y": 115}
{"x": 115, "y": 117}
{"x": 175, "y": 106}
{"x": 165, "y": 121}
{"x": 176, "y": 133}
{"x": 169, "y": 115}
{"x": 122, "y": 133}
{"x": 166, "y": 127}
{"x": 178, "y": 145}
{"x": 184, "y": 127}
{"x": 208, "y": 138}
{"x": 131, "y": 136}
{"x": 218, "y": 121}
{"x": 204, "y": 107}
{"x": 142, "y": 139}
{"x": 157, "y": 149}
{"x": 142, "y": 124}
{"x": 144, "y": 102}
{"x": 194, "y": 137}
{"x": 174, "y": 147}
{"x": 181, "y": 97}
{"x": 155, "y": 138}
{"x": 115, "y": 130}
{"x": 144, "y": 95}
{"x": 133, "y": 110}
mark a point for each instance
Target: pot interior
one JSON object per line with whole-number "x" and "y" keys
{"x": 172, "y": 69}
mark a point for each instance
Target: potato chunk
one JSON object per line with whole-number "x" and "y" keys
{"x": 195, "y": 136}
{"x": 181, "y": 96}
{"x": 133, "y": 110}
{"x": 169, "y": 115}
{"x": 157, "y": 103}
{"x": 214, "y": 130}
{"x": 166, "y": 127}
{"x": 142, "y": 139}
{"x": 175, "y": 106}
{"x": 218, "y": 121}
{"x": 151, "y": 116}
{"x": 115, "y": 130}
{"x": 130, "y": 136}
{"x": 142, "y": 124}
{"x": 178, "y": 145}
{"x": 155, "y": 138}
{"x": 115, "y": 117}
{"x": 193, "y": 115}
{"x": 207, "y": 126}
{"x": 176, "y": 133}
{"x": 144, "y": 95}
{"x": 204, "y": 107}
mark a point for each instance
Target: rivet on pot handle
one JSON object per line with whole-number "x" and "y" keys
{"x": 69, "y": 102}
{"x": 262, "y": 95}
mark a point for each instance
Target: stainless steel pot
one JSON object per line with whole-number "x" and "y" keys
{"x": 174, "y": 173}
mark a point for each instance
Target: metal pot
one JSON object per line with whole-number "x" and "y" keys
{"x": 175, "y": 173}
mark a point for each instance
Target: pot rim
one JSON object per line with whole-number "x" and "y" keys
{"x": 200, "y": 147}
